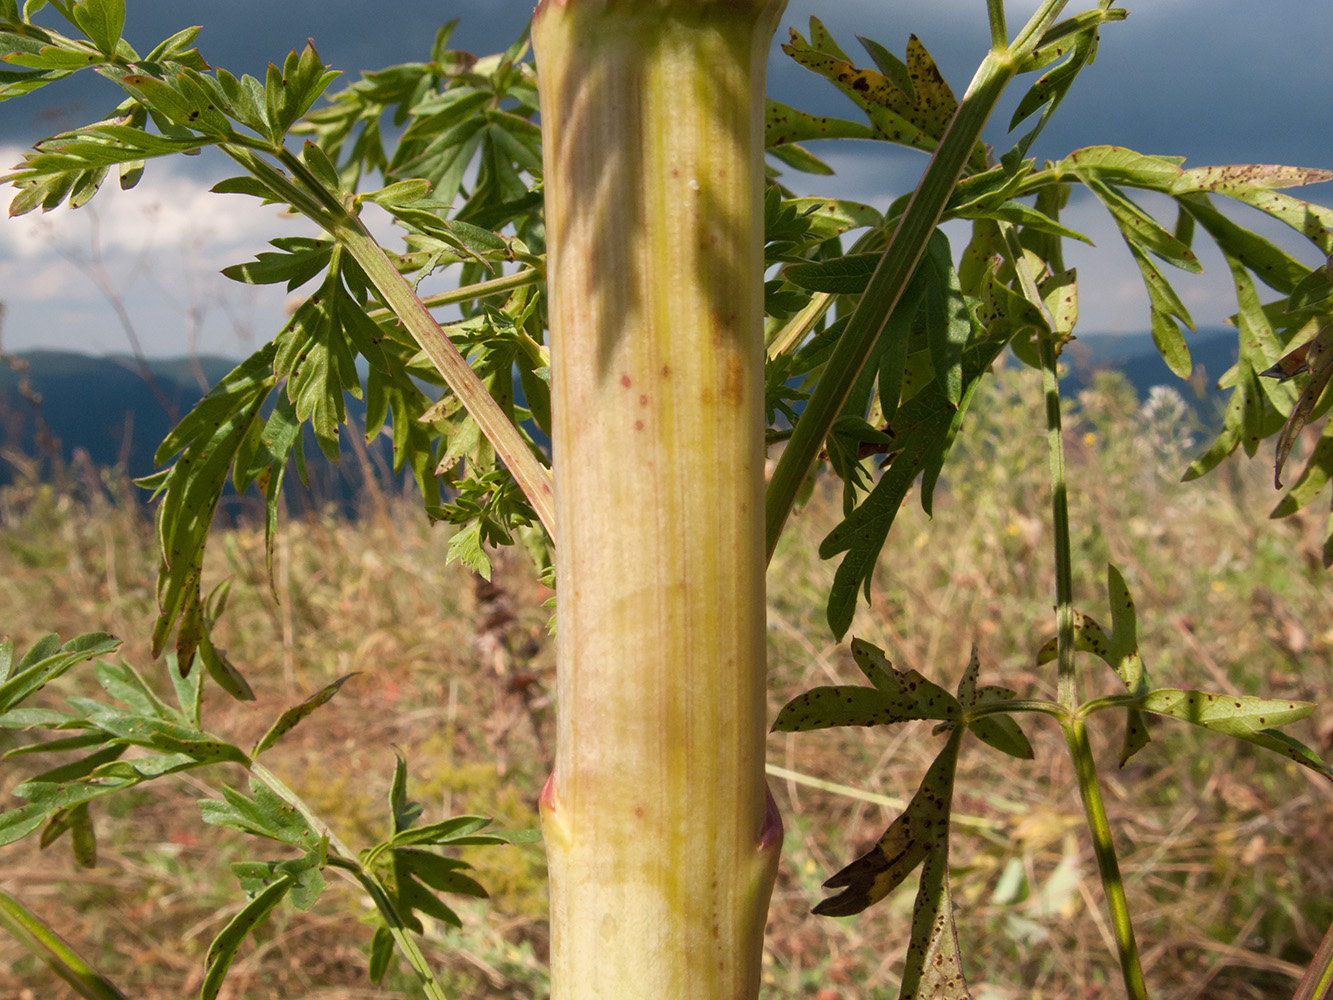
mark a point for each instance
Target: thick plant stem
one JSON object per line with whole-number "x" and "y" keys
{"x": 661, "y": 840}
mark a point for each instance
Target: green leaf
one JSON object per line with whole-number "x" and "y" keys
{"x": 403, "y": 812}
{"x": 455, "y": 830}
{"x": 825, "y": 707}
{"x": 399, "y": 193}
{"x": 783, "y": 124}
{"x": 1004, "y": 734}
{"x": 926, "y": 425}
{"x": 917, "y": 117}
{"x": 122, "y": 682}
{"x": 1318, "y": 471}
{"x": 921, "y": 831}
{"x": 381, "y": 953}
{"x": 1117, "y": 165}
{"x": 288, "y": 720}
{"x": 948, "y": 323}
{"x": 1166, "y": 308}
{"x": 1119, "y": 650}
{"x": 25, "y": 718}
{"x": 179, "y": 49}
{"x": 289, "y": 93}
{"x": 1241, "y": 178}
{"x": 321, "y": 166}
{"x": 50, "y": 796}
{"x": 918, "y": 693}
{"x": 301, "y": 258}
{"x": 998, "y": 731}
{"x": 170, "y": 738}
{"x": 440, "y": 873}
{"x": 1230, "y": 714}
{"x": 182, "y": 103}
{"x": 1051, "y": 87}
{"x": 189, "y": 691}
{"x": 47, "y": 660}
{"x": 76, "y": 769}
{"x": 315, "y": 353}
{"x": 304, "y": 872}
{"x": 223, "y": 950}
{"x": 221, "y": 669}
{"x": 467, "y": 546}
{"x": 15, "y": 824}
{"x": 77, "y": 821}
{"x": 1241, "y": 717}
{"x": 208, "y": 439}
{"x": 413, "y": 896}
{"x": 1141, "y": 230}
{"x": 265, "y": 815}
{"x": 1270, "y": 264}
{"x": 934, "y": 969}
{"x": 52, "y": 57}
{"x": 839, "y": 275}
{"x": 102, "y": 21}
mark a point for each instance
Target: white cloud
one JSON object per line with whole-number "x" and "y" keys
{"x": 159, "y": 247}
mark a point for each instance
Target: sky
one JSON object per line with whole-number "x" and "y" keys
{"x": 1217, "y": 81}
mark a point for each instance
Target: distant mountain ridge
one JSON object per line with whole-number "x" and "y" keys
{"x": 104, "y": 406}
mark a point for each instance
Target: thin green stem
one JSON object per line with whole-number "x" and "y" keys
{"x": 398, "y": 295}
{"x": 31, "y": 932}
{"x": 346, "y": 860}
{"x": 900, "y": 259}
{"x": 999, "y": 33}
{"x": 795, "y": 329}
{"x": 1038, "y": 24}
{"x": 978, "y": 823}
{"x": 308, "y": 196}
{"x": 1076, "y": 736}
{"x": 877, "y": 302}
{"x": 1038, "y": 706}
{"x": 1067, "y": 680}
{"x": 482, "y": 289}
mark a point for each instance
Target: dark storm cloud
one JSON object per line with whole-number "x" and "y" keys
{"x": 1214, "y": 80}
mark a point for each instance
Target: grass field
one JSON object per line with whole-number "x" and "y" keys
{"x": 1226, "y": 852}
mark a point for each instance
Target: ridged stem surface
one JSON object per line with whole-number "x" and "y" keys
{"x": 661, "y": 844}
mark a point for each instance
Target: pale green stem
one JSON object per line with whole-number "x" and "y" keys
{"x": 661, "y": 843}
{"x": 307, "y": 195}
{"x": 1074, "y": 725}
{"x": 795, "y": 329}
{"x": 344, "y": 858}
{"x": 977, "y": 823}
{"x": 398, "y": 295}
{"x": 895, "y": 269}
{"x": 468, "y": 293}
{"x": 999, "y": 33}
{"x": 31, "y": 932}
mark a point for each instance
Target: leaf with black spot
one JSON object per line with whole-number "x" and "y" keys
{"x": 999, "y": 731}
{"x": 1242, "y": 717}
{"x": 223, "y": 950}
{"x": 921, "y": 831}
{"x": 289, "y": 719}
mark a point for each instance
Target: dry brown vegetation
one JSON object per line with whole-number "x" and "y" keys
{"x": 1224, "y": 850}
